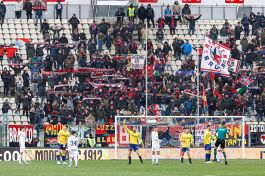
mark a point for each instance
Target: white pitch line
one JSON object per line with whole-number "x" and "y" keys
{"x": 235, "y": 174}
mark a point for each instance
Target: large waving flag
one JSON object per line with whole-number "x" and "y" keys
{"x": 216, "y": 58}
{"x": 20, "y": 42}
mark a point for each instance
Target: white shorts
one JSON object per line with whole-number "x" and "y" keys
{"x": 155, "y": 148}
{"x": 73, "y": 153}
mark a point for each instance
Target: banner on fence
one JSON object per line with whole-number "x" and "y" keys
{"x": 105, "y": 135}
{"x": 51, "y": 133}
{"x": 137, "y": 61}
{"x": 13, "y": 135}
{"x": 256, "y": 133}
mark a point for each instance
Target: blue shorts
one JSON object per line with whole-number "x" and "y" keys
{"x": 133, "y": 147}
{"x": 207, "y": 147}
{"x": 61, "y": 146}
{"x": 185, "y": 149}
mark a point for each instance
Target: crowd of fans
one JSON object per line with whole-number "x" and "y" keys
{"x": 82, "y": 83}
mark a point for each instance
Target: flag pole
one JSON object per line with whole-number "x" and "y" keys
{"x": 146, "y": 74}
{"x": 198, "y": 89}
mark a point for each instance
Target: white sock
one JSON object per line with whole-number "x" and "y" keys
{"x": 23, "y": 157}
{"x": 20, "y": 158}
{"x": 70, "y": 161}
{"x": 76, "y": 161}
{"x": 157, "y": 158}
{"x": 153, "y": 158}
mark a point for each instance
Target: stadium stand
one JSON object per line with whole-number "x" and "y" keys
{"x": 52, "y": 80}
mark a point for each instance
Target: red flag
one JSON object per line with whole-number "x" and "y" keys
{"x": 191, "y": 1}
{"x": 204, "y": 98}
{"x": 235, "y": 1}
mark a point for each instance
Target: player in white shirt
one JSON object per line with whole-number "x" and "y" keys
{"x": 22, "y": 146}
{"x": 155, "y": 146}
{"x": 72, "y": 144}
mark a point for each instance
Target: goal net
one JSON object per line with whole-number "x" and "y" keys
{"x": 170, "y": 129}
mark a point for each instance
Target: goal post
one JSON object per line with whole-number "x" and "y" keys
{"x": 172, "y": 126}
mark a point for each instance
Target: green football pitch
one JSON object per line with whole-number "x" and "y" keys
{"x": 121, "y": 168}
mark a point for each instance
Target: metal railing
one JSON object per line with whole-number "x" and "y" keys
{"x": 92, "y": 11}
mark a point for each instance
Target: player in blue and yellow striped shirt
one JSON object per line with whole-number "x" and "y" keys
{"x": 135, "y": 139}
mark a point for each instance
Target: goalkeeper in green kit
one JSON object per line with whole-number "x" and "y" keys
{"x": 221, "y": 135}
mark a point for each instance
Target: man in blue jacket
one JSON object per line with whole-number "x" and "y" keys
{"x": 186, "y": 49}
{"x": 167, "y": 14}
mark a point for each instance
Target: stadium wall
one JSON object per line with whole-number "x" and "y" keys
{"x": 11, "y": 154}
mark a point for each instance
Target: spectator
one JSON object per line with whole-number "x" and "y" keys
{"x": 192, "y": 21}
{"x": 63, "y": 40}
{"x": 2, "y": 53}
{"x": 224, "y": 34}
{"x": 141, "y": 13}
{"x": 166, "y": 49}
{"x": 159, "y": 35}
{"x": 235, "y": 53}
{"x": 69, "y": 61}
{"x": 244, "y": 43}
{"x": 28, "y": 7}
{"x": 93, "y": 29}
{"x": 59, "y": 10}
{"x": 186, "y": 12}
{"x": 176, "y": 9}
{"x": 260, "y": 109}
{"x": 161, "y": 23}
{"x": 173, "y": 24}
{"x": 188, "y": 105}
{"x": 120, "y": 16}
{"x": 45, "y": 27}
{"x": 18, "y": 7}
{"x": 214, "y": 33}
{"x": 5, "y": 109}
{"x": 59, "y": 58}
{"x": 74, "y": 21}
{"x": 150, "y": 15}
{"x": 186, "y": 49}
{"x": 167, "y": 14}
{"x": 245, "y": 23}
{"x": 158, "y": 52}
{"x": 177, "y": 48}
{"x": 6, "y": 77}
{"x": 75, "y": 38}
{"x": 38, "y": 8}
{"x": 238, "y": 30}
{"x": 104, "y": 27}
{"x": 131, "y": 13}
{"x": 2, "y": 13}
{"x": 100, "y": 41}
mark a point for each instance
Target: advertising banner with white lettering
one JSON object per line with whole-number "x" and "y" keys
{"x": 215, "y": 58}
{"x": 137, "y": 61}
{"x": 13, "y": 135}
{"x": 256, "y": 133}
{"x": 47, "y": 154}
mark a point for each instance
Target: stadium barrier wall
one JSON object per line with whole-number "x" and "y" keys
{"x": 40, "y": 154}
